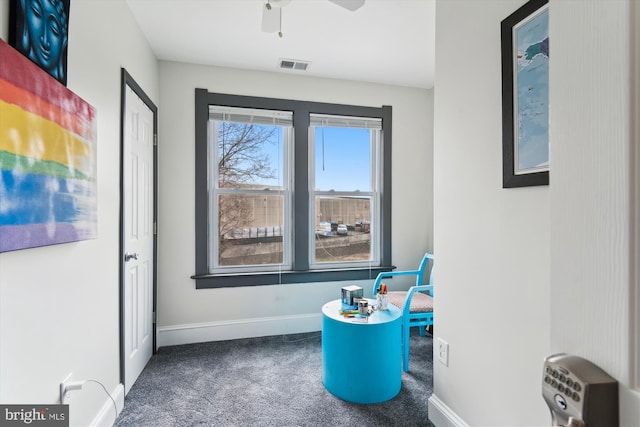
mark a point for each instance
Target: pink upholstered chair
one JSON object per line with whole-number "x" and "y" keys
{"x": 416, "y": 303}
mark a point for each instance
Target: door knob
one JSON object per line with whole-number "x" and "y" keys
{"x": 129, "y": 256}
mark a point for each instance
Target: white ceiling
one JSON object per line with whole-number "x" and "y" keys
{"x": 385, "y": 41}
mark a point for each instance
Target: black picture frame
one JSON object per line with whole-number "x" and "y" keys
{"x": 47, "y": 22}
{"x": 512, "y": 176}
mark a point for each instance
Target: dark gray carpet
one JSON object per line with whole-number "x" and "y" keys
{"x": 268, "y": 381}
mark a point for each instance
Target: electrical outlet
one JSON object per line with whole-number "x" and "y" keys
{"x": 443, "y": 352}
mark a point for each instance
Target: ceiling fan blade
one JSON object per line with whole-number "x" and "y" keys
{"x": 271, "y": 19}
{"x": 349, "y": 4}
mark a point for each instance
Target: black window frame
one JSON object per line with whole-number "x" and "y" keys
{"x": 300, "y": 272}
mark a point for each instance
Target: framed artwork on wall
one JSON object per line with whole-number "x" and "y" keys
{"x": 39, "y": 29}
{"x": 525, "y": 96}
{"x": 48, "y": 174}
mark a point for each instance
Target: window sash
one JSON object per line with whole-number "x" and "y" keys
{"x": 374, "y": 195}
{"x": 215, "y": 191}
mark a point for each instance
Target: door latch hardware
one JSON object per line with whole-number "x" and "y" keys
{"x": 129, "y": 256}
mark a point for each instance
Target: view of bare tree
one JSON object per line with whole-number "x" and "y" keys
{"x": 242, "y": 162}
{"x": 241, "y": 156}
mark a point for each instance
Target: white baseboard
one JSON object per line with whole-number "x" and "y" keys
{"x": 442, "y": 416}
{"x": 107, "y": 414}
{"x": 235, "y": 329}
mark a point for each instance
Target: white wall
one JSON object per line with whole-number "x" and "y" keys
{"x": 186, "y": 314}
{"x": 491, "y": 244}
{"x": 59, "y": 304}
{"x": 4, "y": 22}
{"x": 530, "y": 271}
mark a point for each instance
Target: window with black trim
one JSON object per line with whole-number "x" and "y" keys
{"x": 290, "y": 191}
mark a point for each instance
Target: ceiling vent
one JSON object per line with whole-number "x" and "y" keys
{"x": 294, "y": 64}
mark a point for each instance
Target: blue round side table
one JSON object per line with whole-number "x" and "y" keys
{"x": 362, "y": 362}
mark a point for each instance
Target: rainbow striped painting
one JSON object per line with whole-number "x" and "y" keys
{"x": 48, "y": 191}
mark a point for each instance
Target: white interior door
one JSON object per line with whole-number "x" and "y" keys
{"x": 138, "y": 236}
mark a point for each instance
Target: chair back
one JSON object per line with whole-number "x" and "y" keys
{"x": 423, "y": 267}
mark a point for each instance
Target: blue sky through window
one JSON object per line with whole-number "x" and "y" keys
{"x": 342, "y": 159}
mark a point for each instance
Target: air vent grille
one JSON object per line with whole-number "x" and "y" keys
{"x": 294, "y": 64}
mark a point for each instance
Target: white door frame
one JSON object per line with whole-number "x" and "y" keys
{"x": 128, "y": 81}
